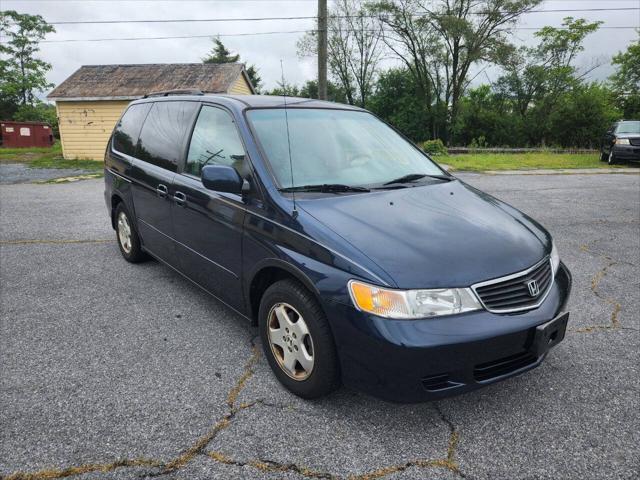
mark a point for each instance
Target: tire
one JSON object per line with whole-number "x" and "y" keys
{"x": 611, "y": 159}
{"x": 603, "y": 156}
{"x": 131, "y": 250}
{"x": 278, "y": 334}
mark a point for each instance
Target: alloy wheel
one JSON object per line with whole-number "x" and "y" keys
{"x": 124, "y": 232}
{"x": 290, "y": 341}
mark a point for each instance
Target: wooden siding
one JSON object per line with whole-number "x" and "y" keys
{"x": 240, "y": 87}
{"x": 85, "y": 127}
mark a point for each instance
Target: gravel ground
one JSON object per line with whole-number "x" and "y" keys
{"x": 11, "y": 173}
{"x": 113, "y": 370}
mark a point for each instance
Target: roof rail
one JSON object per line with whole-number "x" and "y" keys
{"x": 166, "y": 93}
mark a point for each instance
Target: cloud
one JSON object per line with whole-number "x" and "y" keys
{"x": 263, "y": 51}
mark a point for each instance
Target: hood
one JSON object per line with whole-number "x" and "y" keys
{"x": 627, "y": 135}
{"x": 434, "y": 236}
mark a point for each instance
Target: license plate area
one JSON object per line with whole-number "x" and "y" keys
{"x": 549, "y": 334}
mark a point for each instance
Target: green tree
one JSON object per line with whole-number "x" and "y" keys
{"x": 439, "y": 41}
{"x": 220, "y": 54}
{"x": 396, "y": 103}
{"x": 581, "y": 116}
{"x": 537, "y": 77}
{"x": 22, "y": 75}
{"x": 335, "y": 93}
{"x": 488, "y": 115}
{"x": 309, "y": 89}
{"x": 38, "y": 112}
{"x": 284, "y": 88}
{"x": 354, "y": 48}
{"x": 626, "y": 80}
{"x": 256, "y": 80}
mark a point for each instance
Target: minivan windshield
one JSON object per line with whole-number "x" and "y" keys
{"x": 628, "y": 127}
{"x": 335, "y": 147}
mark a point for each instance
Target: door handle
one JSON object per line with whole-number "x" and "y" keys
{"x": 162, "y": 190}
{"x": 180, "y": 198}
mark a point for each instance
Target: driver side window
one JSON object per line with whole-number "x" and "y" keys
{"x": 215, "y": 141}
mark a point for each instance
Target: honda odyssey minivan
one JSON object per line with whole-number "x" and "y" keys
{"x": 360, "y": 260}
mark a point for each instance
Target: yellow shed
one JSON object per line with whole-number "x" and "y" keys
{"x": 91, "y": 100}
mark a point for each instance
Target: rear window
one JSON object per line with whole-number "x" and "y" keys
{"x": 126, "y": 133}
{"x": 161, "y": 140}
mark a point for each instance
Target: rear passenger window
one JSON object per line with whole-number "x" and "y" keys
{"x": 215, "y": 141}
{"x": 126, "y": 133}
{"x": 162, "y": 136}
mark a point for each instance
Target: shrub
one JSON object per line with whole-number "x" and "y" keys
{"x": 435, "y": 147}
{"x": 480, "y": 142}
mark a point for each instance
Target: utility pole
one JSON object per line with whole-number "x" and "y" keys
{"x": 322, "y": 49}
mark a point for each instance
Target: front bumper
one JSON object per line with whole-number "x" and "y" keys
{"x": 627, "y": 152}
{"x": 418, "y": 360}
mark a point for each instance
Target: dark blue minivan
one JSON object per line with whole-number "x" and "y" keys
{"x": 361, "y": 261}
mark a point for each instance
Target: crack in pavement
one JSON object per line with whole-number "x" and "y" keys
{"x": 168, "y": 467}
{"x": 52, "y": 241}
{"x": 224, "y": 422}
{"x": 271, "y": 466}
{"x": 164, "y": 468}
{"x": 614, "y": 322}
{"x": 79, "y": 470}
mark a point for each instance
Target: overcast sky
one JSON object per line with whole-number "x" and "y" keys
{"x": 265, "y": 51}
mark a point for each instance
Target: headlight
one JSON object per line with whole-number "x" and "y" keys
{"x": 555, "y": 258}
{"x": 408, "y": 304}
{"x": 622, "y": 141}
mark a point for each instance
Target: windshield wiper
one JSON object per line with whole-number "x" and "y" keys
{"x": 325, "y": 187}
{"x": 412, "y": 177}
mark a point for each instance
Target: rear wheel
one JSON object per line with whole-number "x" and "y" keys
{"x": 297, "y": 340}
{"x": 128, "y": 239}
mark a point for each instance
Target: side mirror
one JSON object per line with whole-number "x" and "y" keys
{"x": 222, "y": 178}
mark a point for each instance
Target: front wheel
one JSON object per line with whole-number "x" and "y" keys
{"x": 603, "y": 156}
{"x": 611, "y": 159}
{"x": 297, "y": 340}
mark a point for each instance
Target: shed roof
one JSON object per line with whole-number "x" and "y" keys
{"x": 126, "y": 82}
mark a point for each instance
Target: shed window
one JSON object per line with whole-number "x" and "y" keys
{"x": 25, "y": 132}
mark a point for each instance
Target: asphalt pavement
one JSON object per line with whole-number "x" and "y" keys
{"x": 12, "y": 173}
{"x": 113, "y": 370}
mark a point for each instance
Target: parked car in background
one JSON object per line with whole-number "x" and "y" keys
{"x": 358, "y": 257}
{"x": 621, "y": 142}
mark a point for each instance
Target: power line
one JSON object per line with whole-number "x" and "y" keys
{"x": 213, "y": 35}
{"x": 307, "y": 17}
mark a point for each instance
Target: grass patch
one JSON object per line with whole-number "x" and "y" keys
{"x": 46, "y": 158}
{"x": 523, "y": 161}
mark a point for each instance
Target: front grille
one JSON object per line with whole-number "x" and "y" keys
{"x": 502, "y": 366}
{"x": 512, "y": 293}
{"x": 634, "y": 141}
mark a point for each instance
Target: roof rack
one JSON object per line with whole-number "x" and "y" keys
{"x": 166, "y": 93}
